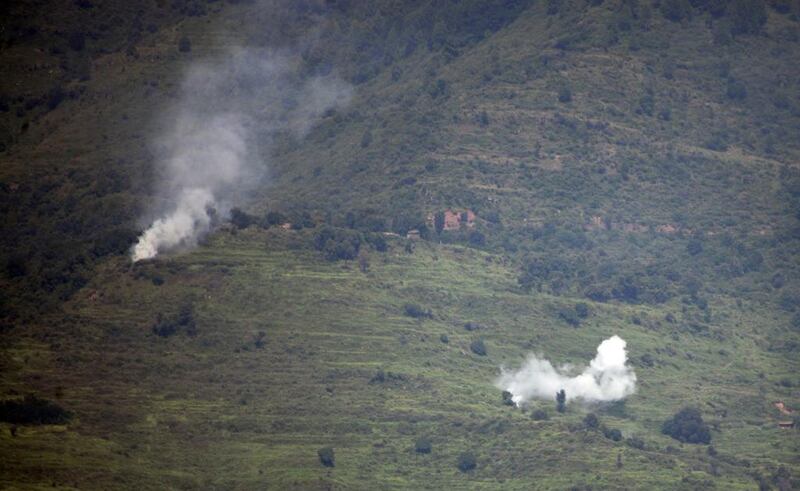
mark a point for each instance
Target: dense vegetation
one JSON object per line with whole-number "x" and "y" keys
{"x": 632, "y": 168}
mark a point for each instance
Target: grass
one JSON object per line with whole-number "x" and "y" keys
{"x": 215, "y": 411}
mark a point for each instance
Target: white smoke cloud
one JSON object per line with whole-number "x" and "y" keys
{"x": 607, "y": 378}
{"x": 217, "y": 148}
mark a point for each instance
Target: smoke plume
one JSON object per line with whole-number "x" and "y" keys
{"x": 607, "y": 378}
{"x": 219, "y": 133}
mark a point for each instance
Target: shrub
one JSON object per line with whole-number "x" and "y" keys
{"x": 273, "y": 218}
{"x": 676, "y": 10}
{"x": 240, "y": 219}
{"x": 591, "y": 421}
{"x": 169, "y": 326}
{"x": 540, "y": 415}
{"x": 508, "y": 398}
{"x": 184, "y": 45}
{"x": 326, "y": 456}
{"x": 478, "y": 347}
{"x": 564, "y": 94}
{"x": 77, "y": 41}
{"x": 736, "y": 90}
{"x": 613, "y": 434}
{"x": 582, "y": 310}
{"x": 687, "y": 426}
{"x": 569, "y": 316}
{"x": 417, "y": 312}
{"x": 443, "y": 338}
{"x": 561, "y": 401}
{"x": 694, "y": 247}
{"x": 338, "y": 244}
{"x": 635, "y": 442}
{"x": 466, "y": 462}
{"x": 33, "y": 411}
{"x": 422, "y": 445}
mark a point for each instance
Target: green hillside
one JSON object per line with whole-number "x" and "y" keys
{"x": 632, "y": 168}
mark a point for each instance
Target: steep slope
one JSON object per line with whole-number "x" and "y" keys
{"x": 638, "y": 159}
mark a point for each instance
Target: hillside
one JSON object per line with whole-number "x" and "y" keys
{"x": 632, "y": 169}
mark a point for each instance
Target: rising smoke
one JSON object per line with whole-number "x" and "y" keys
{"x": 217, "y": 145}
{"x": 607, "y": 378}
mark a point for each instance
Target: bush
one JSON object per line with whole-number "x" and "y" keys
{"x": 422, "y": 445}
{"x": 466, "y": 462}
{"x": 338, "y": 244}
{"x": 417, "y": 312}
{"x": 591, "y": 422}
{"x": 613, "y": 434}
{"x": 77, "y": 41}
{"x": 694, "y": 247}
{"x": 273, "y": 218}
{"x": 676, "y": 10}
{"x": 443, "y": 338}
{"x": 540, "y": 415}
{"x": 687, "y": 426}
{"x": 184, "y": 45}
{"x": 478, "y": 347}
{"x": 33, "y": 411}
{"x": 508, "y": 398}
{"x": 582, "y": 310}
{"x": 564, "y": 94}
{"x": 736, "y": 90}
{"x": 326, "y": 456}
{"x": 569, "y": 316}
{"x": 169, "y": 326}
{"x": 240, "y": 219}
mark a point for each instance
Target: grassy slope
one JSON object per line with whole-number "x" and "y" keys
{"x": 213, "y": 410}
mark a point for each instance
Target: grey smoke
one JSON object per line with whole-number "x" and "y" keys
{"x": 217, "y": 145}
{"x": 607, "y": 378}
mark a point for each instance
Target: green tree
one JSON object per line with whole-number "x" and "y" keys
{"x": 561, "y": 401}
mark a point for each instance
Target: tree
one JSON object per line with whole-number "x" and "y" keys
{"x": 326, "y": 456}
{"x": 466, "y": 462}
{"x": 478, "y": 347}
{"x": 591, "y": 421}
{"x": 561, "y": 401}
{"x": 438, "y": 222}
{"x": 687, "y": 426}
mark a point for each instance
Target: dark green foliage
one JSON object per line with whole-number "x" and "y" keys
{"x": 676, "y": 10}
{"x": 564, "y": 94}
{"x": 326, "y": 456}
{"x": 694, "y": 247}
{"x": 417, "y": 312}
{"x": 687, "y": 426}
{"x": 582, "y": 310}
{"x": 736, "y": 90}
{"x": 613, "y": 434}
{"x": 747, "y": 16}
{"x": 366, "y": 139}
{"x": 477, "y": 239}
{"x": 466, "y": 462}
{"x": 33, "y": 411}
{"x": 273, "y": 218}
{"x": 338, "y": 244}
{"x": 508, "y": 398}
{"x": 540, "y": 415}
{"x": 635, "y": 442}
{"x": 561, "y": 401}
{"x": 443, "y": 338}
{"x": 438, "y": 222}
{"x": 16, "y": 266}
{"x": 76, "y": 41}
{"x": 478, "y": 347}
{"x": 166, "y": 326}
{"x": 422, "y": 445}
{"x": 591, "y": 421}
{"x": 569, "y": 316}
{"x": 184, "y": 45}
{"x": 240, "y": 219}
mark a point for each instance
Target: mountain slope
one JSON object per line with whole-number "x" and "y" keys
{"x": 637, "y": 159}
